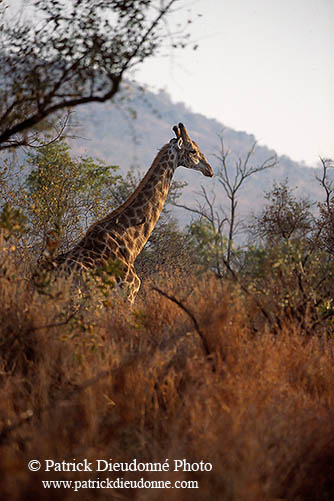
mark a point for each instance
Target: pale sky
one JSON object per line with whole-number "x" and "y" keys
{"x": 262, "y": 66}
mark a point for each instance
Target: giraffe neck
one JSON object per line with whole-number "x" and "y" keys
{"x": 134, "y": 221}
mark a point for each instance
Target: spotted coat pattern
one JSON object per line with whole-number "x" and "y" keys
{"x": 122, "y": 234}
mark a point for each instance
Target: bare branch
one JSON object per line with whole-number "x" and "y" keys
{"x": 69, "y": 60}
{"x": 190, "y": 314}
{"x": 193, "y": 210}
{"x": 324, "y": 181}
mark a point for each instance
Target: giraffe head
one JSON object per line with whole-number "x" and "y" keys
{"x": 188, "y": 153}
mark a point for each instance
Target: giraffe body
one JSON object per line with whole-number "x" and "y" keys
{"x": 122, "y": 234}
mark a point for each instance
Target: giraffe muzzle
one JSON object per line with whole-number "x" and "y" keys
{"x": 207, "y": 170}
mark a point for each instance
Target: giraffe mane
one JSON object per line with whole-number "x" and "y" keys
{"x": 140, "y": 186}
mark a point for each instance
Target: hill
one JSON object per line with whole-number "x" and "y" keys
{"x": 130, "y": 132}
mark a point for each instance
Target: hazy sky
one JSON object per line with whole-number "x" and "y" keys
{"x": 263, "y": 66}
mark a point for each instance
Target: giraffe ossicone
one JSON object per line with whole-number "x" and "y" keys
{"x": 122, "y": 234}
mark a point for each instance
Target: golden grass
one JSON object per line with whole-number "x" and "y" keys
{"x": 125, "y": 383}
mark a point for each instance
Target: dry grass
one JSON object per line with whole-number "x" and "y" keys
{"x": 127, "y": 383}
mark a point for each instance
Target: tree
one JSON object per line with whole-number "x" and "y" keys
{"x": 293, "y": 264}
{"x": 284, "y": 217}
{"x": 231, "y": 178}
{"x": 60, "y": 195}
{"x": 208, "y": 233}
{"x": 325, "y": 222}
{"x": 72, "y": 52}
{"x": 208, "y": 246}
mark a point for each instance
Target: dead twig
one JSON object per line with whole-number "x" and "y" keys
{"x": 190, "y": 315}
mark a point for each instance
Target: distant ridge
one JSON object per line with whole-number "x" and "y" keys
{"x": 111, "y": 133}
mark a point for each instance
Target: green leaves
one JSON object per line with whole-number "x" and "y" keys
{"x": 60, "y": 195}
{"x": 284, "y": 217}
{"x": 209, "y": 245}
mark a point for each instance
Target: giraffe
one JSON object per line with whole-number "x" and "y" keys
{"x": 122, "y": 234}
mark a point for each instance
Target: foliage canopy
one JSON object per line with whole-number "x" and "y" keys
{"x": 72, "y": 52}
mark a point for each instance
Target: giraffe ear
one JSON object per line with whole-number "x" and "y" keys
{"x": 180, "y": 143}
{"x": 184, "y": 134}
{"x": 176, "y": 131}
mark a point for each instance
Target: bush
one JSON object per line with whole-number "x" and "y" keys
{"x": 126, "y": 383}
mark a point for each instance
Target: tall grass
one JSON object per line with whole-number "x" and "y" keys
{"x": 121, "y": 383}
